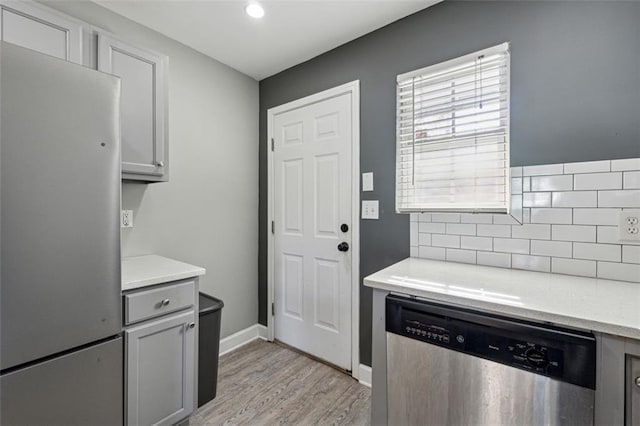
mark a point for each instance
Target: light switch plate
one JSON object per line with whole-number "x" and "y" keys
{"x": 370, "y": 209}
{"x": 367, "y": 181}
{"x": 629, "y": 225}
{"x": 126, "y": 219}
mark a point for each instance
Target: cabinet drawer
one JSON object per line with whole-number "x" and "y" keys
{"x": 158, "y": 301}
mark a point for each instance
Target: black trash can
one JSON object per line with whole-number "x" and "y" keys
{"x": 208, "y": 347}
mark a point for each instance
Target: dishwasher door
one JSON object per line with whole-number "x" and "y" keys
{"x": 453, "y": 366}
{"x": 431, "y": 385}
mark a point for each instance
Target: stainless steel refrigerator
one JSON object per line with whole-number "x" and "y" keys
{"x": 61, "y": 348}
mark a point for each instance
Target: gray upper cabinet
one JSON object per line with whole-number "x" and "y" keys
{"x": 143, "y": 107}
{"x": 42, "y": 29}
{"x": 160, "y": 370}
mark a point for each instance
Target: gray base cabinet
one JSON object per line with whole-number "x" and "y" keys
{"x": 161, "y": 370}
{"x": 161, "y": 329}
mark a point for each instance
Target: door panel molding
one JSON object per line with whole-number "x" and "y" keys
{"x": 292, "y": 136}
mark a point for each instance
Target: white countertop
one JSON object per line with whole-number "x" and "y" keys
{"x": 142, "y": 271}
{"x": 605, "y": 306}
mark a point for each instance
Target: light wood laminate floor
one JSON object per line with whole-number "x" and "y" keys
{"x": 264, "y": 383}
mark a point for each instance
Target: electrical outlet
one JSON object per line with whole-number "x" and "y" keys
{"x": 629, "y": 225}
{"x": 370, "y": 209}
{"x": 126, "y": 219}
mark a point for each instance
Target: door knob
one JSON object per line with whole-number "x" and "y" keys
{"x": 343, "y": 246}
{"x": 637, "y": 381}
{"x": 165, "y": 302}
{"x": 160, "y": 164}
{"x": 191, "y": 325}
{"x": 344, "y": 227}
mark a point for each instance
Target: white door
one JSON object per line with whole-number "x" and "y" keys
{"x": 312, "y": 200}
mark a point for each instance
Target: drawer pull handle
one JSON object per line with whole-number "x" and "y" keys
{"x": 637, "y": 381}
{"x": 165, "y": 302}
{"x": 191, "y": 325}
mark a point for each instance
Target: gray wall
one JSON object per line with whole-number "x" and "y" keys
{"x": 207, "y": 213}
{"x": 575, "y": 96}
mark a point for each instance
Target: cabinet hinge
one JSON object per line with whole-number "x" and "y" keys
{"x": 273, "y": 309}
{"x": 273, "y": 145}
{"x": 273, "y": 227}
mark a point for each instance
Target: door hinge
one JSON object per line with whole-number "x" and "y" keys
{"x": 273, "y": 309}
{"x": 273, "y": 144}
{"x": 273, "y": 227}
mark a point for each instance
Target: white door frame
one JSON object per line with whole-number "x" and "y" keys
{"x": 352, "y": 88}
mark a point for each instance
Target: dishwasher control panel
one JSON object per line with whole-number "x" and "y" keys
{"x": 566, "y": 355}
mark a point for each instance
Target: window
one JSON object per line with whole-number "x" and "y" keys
{"x": 453, "y": 135}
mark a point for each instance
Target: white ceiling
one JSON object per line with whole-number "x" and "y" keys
{"x": 291, "y": 32}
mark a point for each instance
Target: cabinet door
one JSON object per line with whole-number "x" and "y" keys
{"x": 633, "y": 390}
{"x": 42, "y": 29}
{"x": 143, "y": 106}
{"x": 160, "y": 371}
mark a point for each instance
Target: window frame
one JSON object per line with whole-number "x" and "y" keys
{"x": 503, "y": 48}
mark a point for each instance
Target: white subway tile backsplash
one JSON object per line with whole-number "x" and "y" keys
{"x": 413, "y": 217}
{"x": 511, "y": 245}
{"x": 461, "y": 228}
{"x": 433, "y": 228}
{"x": 516, "y": 185}
{"x": 476, "y": 218}
{"x": 552, "y": 183}
{"x": 551, "y": 248}
{"x": 573, "y": 233}
{"x": 501, "y": 260}
{"x": 583, "y": 268}
{"x": 587, "y": 167}
{"x": 631, "y": 254}
{"x": 424, "y": 217}
{"x": 494, "y": 230}
{"x": 567, "y": 217}
{"x": 435, "y": 253}
{"x": 595, "y": 216}
{"x": 476, "y": 243}
{"x": 609, "y": 252}
{"x": 545, "y": 169}
{"x": 463, "y": 256}
{"x": 543, "y": 215}
{"x": 619, "y": 271}
{"x": 575, "y": 199}
{"x": 531, "y": 263}
{"x": 504, "y": 219}
{"x": 626, "y": 164}
{"x": 536, "y": 199}
{"x": 594, "y": 181}
{"x": 424, "y": 239}
{"x": 443, "y": 240}
{"x": 413, "y": 234}
{"x": 631, "y": 180}
{"x": 445, "y": 217}
{"x": 531, "y": 231}
{"x": 610, "y": 235}
{"x": 627, "y": 198}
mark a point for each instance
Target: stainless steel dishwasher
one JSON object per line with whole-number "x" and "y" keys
{"x": 453, "y": 366}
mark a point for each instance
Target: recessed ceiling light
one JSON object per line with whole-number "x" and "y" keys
{"x": 254, "y": 10}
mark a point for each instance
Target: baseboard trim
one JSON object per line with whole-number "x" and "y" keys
{"x": 364, "y": 375}
{"x": 242, "y": 337}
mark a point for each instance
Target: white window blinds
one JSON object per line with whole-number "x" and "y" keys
{"x": 453, "y": 135}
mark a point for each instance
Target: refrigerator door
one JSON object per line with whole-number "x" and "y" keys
{"x": 81, "y": 388}
{"x": 60, "y": 198}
